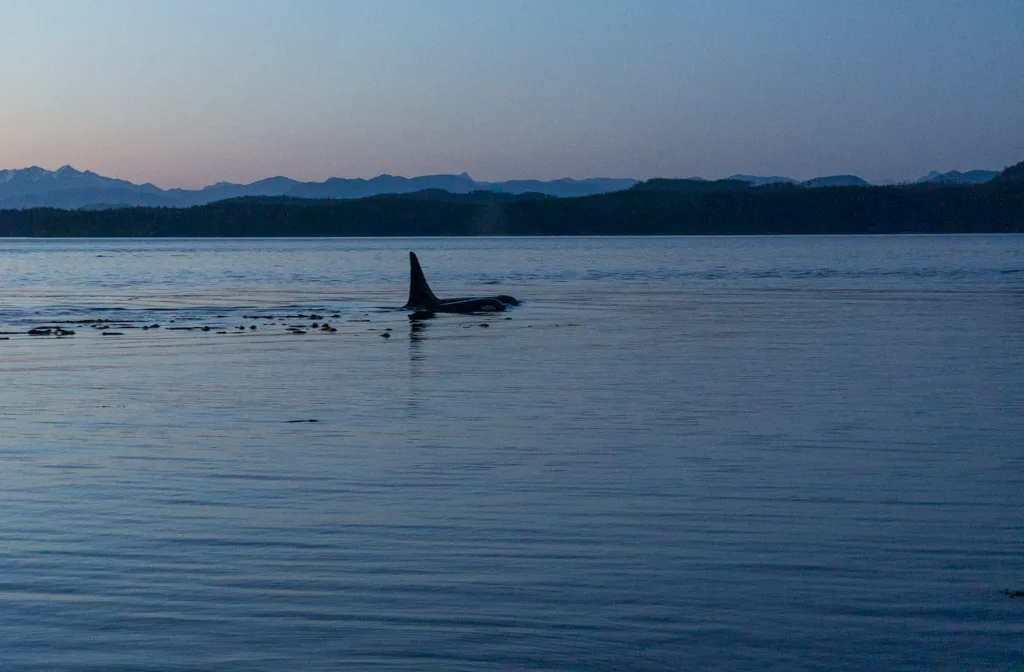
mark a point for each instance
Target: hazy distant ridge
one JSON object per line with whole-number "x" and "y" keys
{"x": 760, "y": 180}
{"x": 837, "y": 181}
{"x": 956, "y": 177}
{"x": 68, "y": 188}
{"x": 933, "y": 177}
{"x": 653, "y": 207}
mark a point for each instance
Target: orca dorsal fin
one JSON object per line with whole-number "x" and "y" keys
{"x": 420, "y": 295}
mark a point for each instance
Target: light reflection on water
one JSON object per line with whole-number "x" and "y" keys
{"x": 739, "y": 463}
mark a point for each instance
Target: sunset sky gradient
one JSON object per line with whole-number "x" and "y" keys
{"x": 189, "y": 92}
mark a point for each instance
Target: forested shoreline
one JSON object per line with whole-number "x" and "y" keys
{"x": 662, "y": 207}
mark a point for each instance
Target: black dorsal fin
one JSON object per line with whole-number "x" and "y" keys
{"x": 420, "y": 295}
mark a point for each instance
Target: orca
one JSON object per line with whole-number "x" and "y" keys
{"x": 423, "y": 301}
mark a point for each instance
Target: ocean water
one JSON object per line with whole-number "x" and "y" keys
{"x": 773, "y": 453}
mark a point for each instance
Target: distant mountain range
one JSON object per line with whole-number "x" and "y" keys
{"x": 837, "y": 181}
{"x": 828, "y": 181}
{"x": 956, "y": 177}
{"x": 69, "y": 189}
{"x": 653, "y": 207}
{"x": 759, "y": 180}
{"x": 934, "y": 177}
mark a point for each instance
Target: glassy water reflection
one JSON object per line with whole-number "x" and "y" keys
{"x": 712, "y": 453}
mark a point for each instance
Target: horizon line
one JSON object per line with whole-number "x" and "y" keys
{"x": 513, "y": 179}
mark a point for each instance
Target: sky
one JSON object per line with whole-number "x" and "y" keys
{"x": 185, "y": 93}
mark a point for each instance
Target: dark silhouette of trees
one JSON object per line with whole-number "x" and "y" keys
{"x": 650, "y": 208}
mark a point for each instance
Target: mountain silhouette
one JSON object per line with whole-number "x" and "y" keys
{"x": 760, "y": 180}
{"x": 67, "y": 188}
{"x": 956, "y": 177}
{"x": 1014, "y": 173}
{"x": 836, "y": 181}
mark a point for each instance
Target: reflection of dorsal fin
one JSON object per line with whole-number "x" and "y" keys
{"x": 420, "y": 295}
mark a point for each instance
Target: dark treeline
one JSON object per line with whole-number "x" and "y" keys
{"x": 654, "y": 207}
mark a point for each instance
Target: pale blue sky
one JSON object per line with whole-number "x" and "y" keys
{"x": 189, "y": 92}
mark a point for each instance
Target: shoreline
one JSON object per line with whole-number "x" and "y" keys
{"x": 988, "y": 208}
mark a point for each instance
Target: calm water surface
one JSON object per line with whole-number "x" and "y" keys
{"x": 679, "y": 453}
